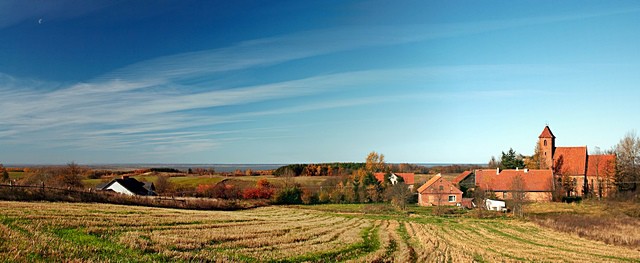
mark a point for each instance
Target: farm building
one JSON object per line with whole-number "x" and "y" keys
{"x": 439, "y": 191}
{"x": 407, "y": 178}
{"x": 537, "y": 184}
{"x": 128, "y": 186}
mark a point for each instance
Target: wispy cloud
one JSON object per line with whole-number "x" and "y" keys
{"x": 147, "y": 103}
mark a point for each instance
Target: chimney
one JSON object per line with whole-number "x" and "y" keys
{"x": 125, "y": 177}
{"x": 517, "y": 168}
{"x": 497, "y": 170}
{"x": 526, "y": 170}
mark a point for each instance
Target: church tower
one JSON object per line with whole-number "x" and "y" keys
{"x": 547, "y": 144}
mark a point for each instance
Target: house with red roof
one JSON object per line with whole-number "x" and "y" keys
{"x": 439, "y": 191}
{"x": 407, "y": 178}
{"x": 589, "y": 173}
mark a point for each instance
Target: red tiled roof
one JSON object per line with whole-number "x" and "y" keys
{"x": 601, "y": 165}
{"x": 437, "y": 180}
{"x": 429, "y": 183}
{"x": 409, "y": 178}
{"x": 546, "y": 133}
{"x": 379, "y": 176}
{"x": 460, "y": 177}
{"x": 574, "y": 159}
{"x": 533, "y": 180}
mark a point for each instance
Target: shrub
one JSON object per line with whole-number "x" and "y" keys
{"x": 309, "y": 197}
{"x": 571, "y": 199}
{"x": 289, "y": 195}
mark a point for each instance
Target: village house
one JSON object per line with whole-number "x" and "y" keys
{"x": 589, "y": 173}
{"x": 129, "y": 186}
{"x": 439, "y": 191}
{"x": 394, "y": 178}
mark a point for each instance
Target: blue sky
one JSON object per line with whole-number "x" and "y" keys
{"x": 312, "y": 81}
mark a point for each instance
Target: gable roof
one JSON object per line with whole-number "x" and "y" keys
{"x": 574, "y": 159}
{"x": 546, "y": 133}
{"x": 533, "y": 180}
{"x": 429, "y": 183}
{"x": 461, "y": 177}
{"x": 601, "y": 165}
{"x": 437, "y": 180}
{"x": 409, "y": 178}
{"x": 131, "y": 184}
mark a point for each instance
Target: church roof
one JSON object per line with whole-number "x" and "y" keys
{"x": 546, "y": 133}
{"x": 572, "y": 160}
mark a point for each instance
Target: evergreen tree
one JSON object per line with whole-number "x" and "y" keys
{"x": 511, "y": 160}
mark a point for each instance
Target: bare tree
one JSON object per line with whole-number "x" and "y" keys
{"x": 163, "y": 185}
{"x": 518, "y": 195}
{"x": 628, "y": 156}
{"x": 72, "y": 176}
{"x": 398, "y": 194}
{"x": 288, "y": 177}
{"x": 493, "y": 163}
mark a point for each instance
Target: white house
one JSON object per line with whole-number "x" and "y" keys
{"x": 128, "y": 186}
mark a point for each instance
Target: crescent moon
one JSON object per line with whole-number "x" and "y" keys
{"x": 40, "y": 21}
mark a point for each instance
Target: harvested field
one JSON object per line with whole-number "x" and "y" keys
{"x": 103, "y": 233}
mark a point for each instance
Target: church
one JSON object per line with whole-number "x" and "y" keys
{"x": 589, "y": 174}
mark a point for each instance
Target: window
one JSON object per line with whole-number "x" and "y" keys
{"x": 452, "y": 198}
{"x": 545, "y": 142}
{"x": 441, "y": 188}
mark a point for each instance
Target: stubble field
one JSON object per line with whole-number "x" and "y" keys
{"x": 99, "y": 232}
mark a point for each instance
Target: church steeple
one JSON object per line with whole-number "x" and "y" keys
{"x": 547, "y": 145}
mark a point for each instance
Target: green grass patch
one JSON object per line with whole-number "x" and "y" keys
{"x": 369, "y": 244}
{"x": 11, "y": 223}
{"x": 16, "y": 175}
{"x": 101, "y": 249}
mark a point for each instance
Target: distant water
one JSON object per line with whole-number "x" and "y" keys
{"x": 216, "y": 167}
{"x": 222, "y": 167}
{"x": 185, "y": 167}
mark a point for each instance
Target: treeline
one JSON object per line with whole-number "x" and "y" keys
{"x": 341, "y": 169}
{"x": 454, "y": 168}
{"x": 322, "y": 169}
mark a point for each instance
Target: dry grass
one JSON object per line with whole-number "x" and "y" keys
{"x": 615, "y": 223}
{"x": 113, "y": 233}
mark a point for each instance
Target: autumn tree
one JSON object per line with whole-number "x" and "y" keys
{"x": 535, "y": 161}
{"x": 5, "y": 174}
{"x": 511, "y": 160}
{"x": 628, "y": 158}
{"x": 375, "y": 162}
